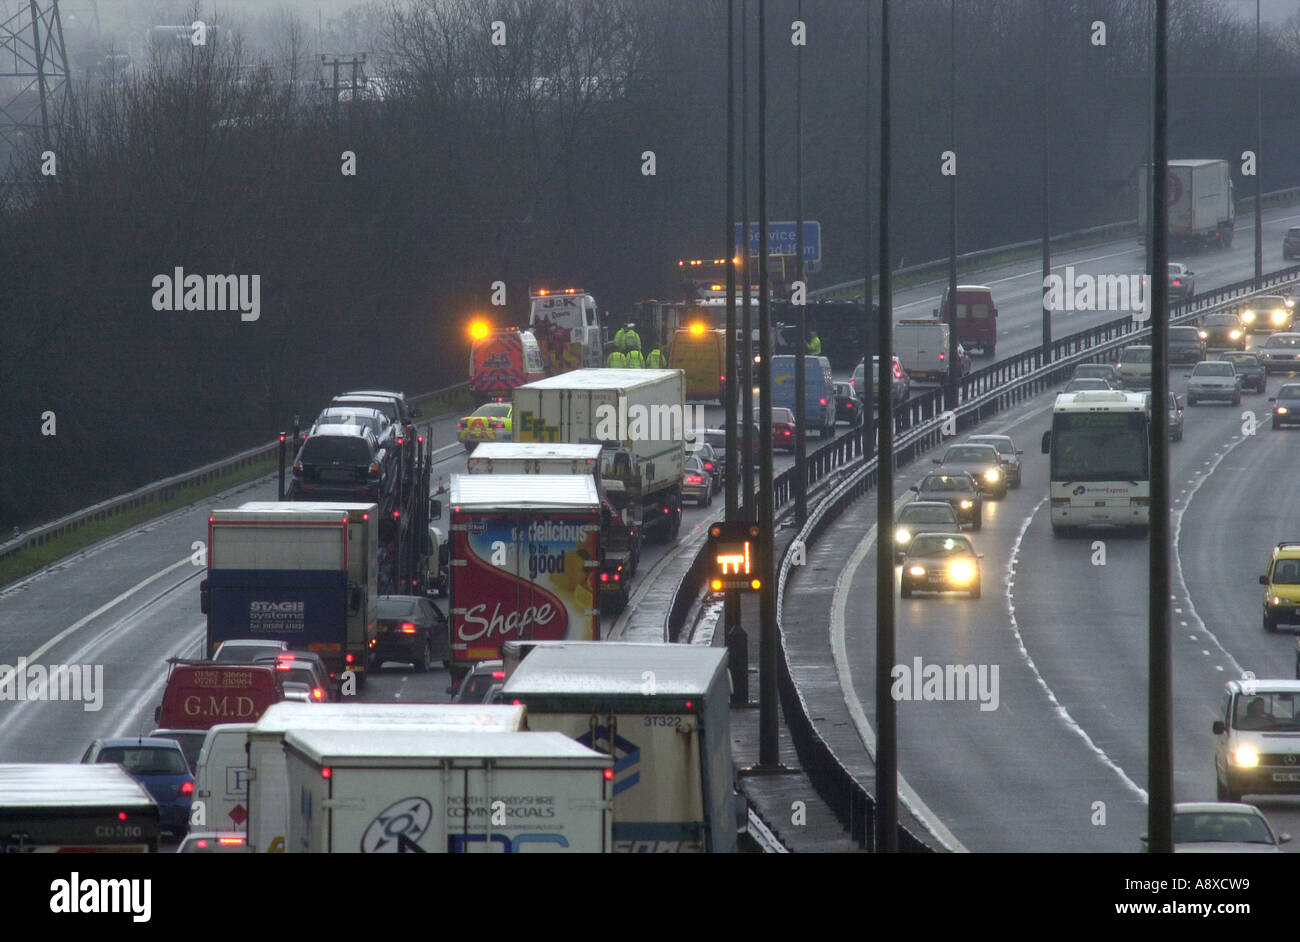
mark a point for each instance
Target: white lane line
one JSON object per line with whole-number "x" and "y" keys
{"x": 82, "y": 622}
{"x": 911, "y": 800}
{"x": 1176, "y": 516}
{"x": 1061, "y": 711}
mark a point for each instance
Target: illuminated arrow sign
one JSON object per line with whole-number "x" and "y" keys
{"x": 734, "y": 554}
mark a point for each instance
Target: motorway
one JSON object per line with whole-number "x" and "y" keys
{"x": 1069, "y": 637}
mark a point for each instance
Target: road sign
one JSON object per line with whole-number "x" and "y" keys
{"x": 783, "y": 239}
{"x": 735, "y": 551}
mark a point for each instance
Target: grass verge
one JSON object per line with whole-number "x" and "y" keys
{"x": 29, "y": 559}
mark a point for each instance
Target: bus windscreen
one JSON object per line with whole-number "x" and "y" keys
{"x": 1100, "y": 446}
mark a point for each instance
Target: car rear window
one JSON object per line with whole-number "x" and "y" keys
{"x": 331, "y": 448}
{"x": 395, "y": 608}
{"x": 386, "y": 406}
{"x": 1183, "y": 333}
{"x": 493, "y": 411}
{"x": 146, "y": 760}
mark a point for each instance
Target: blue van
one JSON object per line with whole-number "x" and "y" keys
{"x": 819, "y": 391}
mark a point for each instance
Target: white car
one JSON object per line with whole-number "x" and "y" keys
{"x": 1216, "y": 827}
{"x": 1257, "y": 747}
{"x": 1213, "y": 379}
{"x": 1134, "y": 367}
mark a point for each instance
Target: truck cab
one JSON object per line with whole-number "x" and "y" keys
{"x": 566, "y": 325}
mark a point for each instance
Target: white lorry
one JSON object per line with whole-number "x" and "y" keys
{"x": 662, "y": 713}
{"x": 74, "y": 808}
{"x": 566, "y": 325}
{"x": 411, "y": 791}
{"x": 268, "y": 776}
{"x": 640, "y": 414}
{"x": 1200, "y": 199}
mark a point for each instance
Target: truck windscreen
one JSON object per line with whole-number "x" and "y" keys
{"x": 1100, "y": 446}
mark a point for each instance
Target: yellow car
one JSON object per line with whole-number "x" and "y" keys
{"x": 1282, "y": 582}
{"x": 489, "y": 423}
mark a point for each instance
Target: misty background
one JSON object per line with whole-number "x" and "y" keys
{"x": 520, "y": 163}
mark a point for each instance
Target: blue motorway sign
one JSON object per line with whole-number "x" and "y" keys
{"x": 783, "y": 239}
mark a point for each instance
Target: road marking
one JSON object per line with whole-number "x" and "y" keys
{"x": 910, "y": 799}
{"x": 1061, "y": 711}
{"x": 81, "y": 623}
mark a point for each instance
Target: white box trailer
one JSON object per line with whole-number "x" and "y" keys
{"x": 535, "y": 458}
{"x": 662, "y": 712}
{"x": 1201, "y": 205}
{"x": 268, "y": 776}
{"x": 410, "y": 791}
{"x": 641, "y": 411}
{"x": 65, "y": 807}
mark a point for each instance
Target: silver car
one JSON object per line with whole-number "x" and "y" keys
{"x": 1134, "y": 367}
{"x": 697, "y": 485}
{"x": 1007, "y": 452}
{"x": 1213, "y": 379}
{"x": 1220, "y": 827}
{"x": 1280, "y": 353}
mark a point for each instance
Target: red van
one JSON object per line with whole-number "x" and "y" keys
{"x": 201, "y": 694}
{"x": 977, "y": 318}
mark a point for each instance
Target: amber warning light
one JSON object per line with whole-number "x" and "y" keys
{"x": 734, "y": 554}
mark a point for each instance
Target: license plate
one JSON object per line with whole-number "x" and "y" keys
{"x": 1286, "y": 776}
{"x": 1099, "y": 503}
{"x": 936, "y": 580}
{"x": 327, "y": 475}
{"x": 380, "y": 629}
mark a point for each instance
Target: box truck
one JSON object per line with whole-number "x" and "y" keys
{"x": 70, "y": 808}
{"x": 265, "y": 775}
{"x": 1201, "y": 205}
{"x": 412, "y": 791}
{"x": 620, "y": 534}
{"x": 661, "y": 712}
{"x": 641, "y": 413}
{"x": 526, "y": 559}
{"x": 305, "y": 573}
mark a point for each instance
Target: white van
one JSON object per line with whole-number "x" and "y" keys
{"x": 922, "y": 346}
{"x": 221, "y": 779}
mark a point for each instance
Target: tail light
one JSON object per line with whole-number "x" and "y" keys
{"x": 233, "y": 841}
{"x": 604, "y": 577}
{"x": 374, "y": 469}
{"x": 297, "y": 468}
{"x": 317, "y": 693}
{"x": 708, "y": 466}
{"x": 498, "y": 675}
{"x": 401, "y": 440}
{"x": 349, "y": 658}
{"x": 496, "y": 424}
{"x": 187, "y": 788}
{"x": 942, "y": 357}
{"x": 407, "y": 628}
{"x": 823, "y": 400}
{"x": 460, "y": 424}
{"x": 694, "y": 479}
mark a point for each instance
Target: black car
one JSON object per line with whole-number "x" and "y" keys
{"x": 1223, "y": 329}
{"x": 1185, "y": 345}
{"x": 1248, "y": 368}
{"x": 1286, "y": 405}
{"x": 391, "y": 404}
{"x": 982, "y": 462}
{"x": 848, "y": 407}
{"x": 1267, "y": 312}
{"x": 410, "y": 628}
{"x": 941, "y": 562}
{"x": 959, "y": 490}
{"x": 341, "y": 462}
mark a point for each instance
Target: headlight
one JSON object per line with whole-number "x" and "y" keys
{"x": 916, "y": 571}
{"x": 961, "y": 572}
{"x": 1279, "y": 316}
{"x": 1202, "y": 334}
{"x": 1248, "y": 317}
{"x": 1275, "y": 601}
{"x": 991, "y": 476}
{"x": 1280, "y": 410}
{"x": 1246, "y": 757}
{"x": 902, "y": 535}
{"x": 966, "y": 505}
{"x": 1234, "y": 335}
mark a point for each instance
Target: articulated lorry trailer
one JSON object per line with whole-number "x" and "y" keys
{"x": 1201, "y": 204}
{"x": 638, "y": 415}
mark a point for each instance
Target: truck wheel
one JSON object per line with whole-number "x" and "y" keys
{"x": 1223, "y": 793}
{"x": 905, "y": 590}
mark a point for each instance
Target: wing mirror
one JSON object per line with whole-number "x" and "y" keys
{"x": 1047, "y": 442}
{"x": 1218, "y": 728}
{"x": 435, "y": 509}
{"x": 1263, "y": 580}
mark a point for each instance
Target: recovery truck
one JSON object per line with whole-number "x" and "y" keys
{"x": 73, "y": 808}
{"x": 525, "y": 562}
{"x": 620, "y": 535}
{"x": 502, "y": 359}
{"x": 639, "y": 416}
{"x": 304, "y": 573}
{"x": 567, "y": 327}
